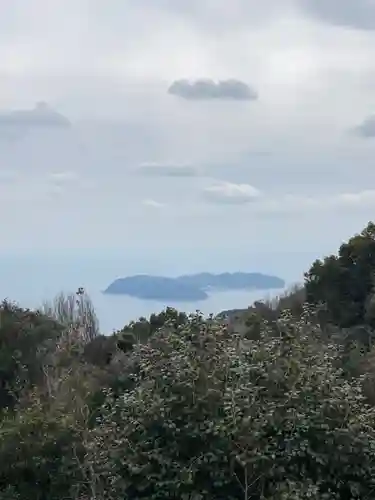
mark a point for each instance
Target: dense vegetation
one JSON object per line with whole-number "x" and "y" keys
{"x": 275, "y": 402}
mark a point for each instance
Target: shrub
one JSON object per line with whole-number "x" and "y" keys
{"x": 212, "y": 416}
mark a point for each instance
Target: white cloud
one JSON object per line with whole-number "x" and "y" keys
{"x": 359, "y": 199}
{"x": 227, "y": 192}
{"x": 111, "y": 63}
{"x": 62, "y": 177}
{"x": 340, "y": 202}
{"x": 278, "y": 204}
{"x": 153, "y": 203}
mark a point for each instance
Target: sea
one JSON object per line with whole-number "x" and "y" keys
{"x": 29, "y": 280}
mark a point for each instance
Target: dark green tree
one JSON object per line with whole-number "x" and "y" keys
{"x": 25, "y": 337}
{"x": 344, "y": 283}
{"x": 140, "y": 331}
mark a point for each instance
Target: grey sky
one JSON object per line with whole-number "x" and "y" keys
{"x": 140, "y": 167}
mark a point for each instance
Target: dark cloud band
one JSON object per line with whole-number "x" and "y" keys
{"x": 366, "y": 128}
{"x": 359, "y": 14}
{"x": 41, "y": 116}
{"x": 205, "y": 89}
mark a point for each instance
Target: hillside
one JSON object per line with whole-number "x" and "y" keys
{"x": 182, "y": 406}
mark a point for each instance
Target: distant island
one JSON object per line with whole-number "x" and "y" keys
{"x": 193, "y": 287}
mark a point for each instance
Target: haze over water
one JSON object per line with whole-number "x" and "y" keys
{"x": 31, "y": 279}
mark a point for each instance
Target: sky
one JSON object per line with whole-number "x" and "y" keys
{"x": 194, "y": 128}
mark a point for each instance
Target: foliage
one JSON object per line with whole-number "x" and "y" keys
{"x": 25, "y": 337}
{"x": 43, "y": 440}
{"x": 140, "y": 331}
{"x": 37, "y": 454}
{"x": 344, "y": 283}
{"x": 247, "y": 322}
{"x": 212, "y": 416}
{"x": 101, "y": 350}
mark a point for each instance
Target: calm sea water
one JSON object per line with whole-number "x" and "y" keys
{"x": 31, "y": 280}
